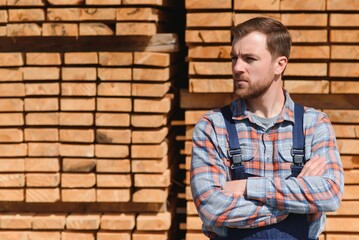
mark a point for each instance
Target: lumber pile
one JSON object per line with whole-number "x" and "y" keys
{"x": 81, "y": 226}
{"x": 86, "y": 147}
{"x": 322, "y": 73}
{"x": 88, "y": 127}
{"x": 74, "y": 18}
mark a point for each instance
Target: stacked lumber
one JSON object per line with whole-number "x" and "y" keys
{"x": 87, "y": 91}
{"x": 79, "y": 226}
{"x": 153, "y": 150}
{"x": 87, "y": 127}
{"x": 322, "y": 73}
{"x": 74, "y": 18}
{"x": 208, "y": 38}
{"x": 344, "y": 80}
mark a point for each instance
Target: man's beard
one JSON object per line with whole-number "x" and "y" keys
{"x": 252, "y": 90}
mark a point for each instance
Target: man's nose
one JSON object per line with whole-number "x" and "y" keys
{"x": 238, "y": 65}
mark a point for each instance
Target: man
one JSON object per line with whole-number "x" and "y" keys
{"x": 270, "y": 202}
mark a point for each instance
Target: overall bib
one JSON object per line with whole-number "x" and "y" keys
{"x": 295, "y": 226}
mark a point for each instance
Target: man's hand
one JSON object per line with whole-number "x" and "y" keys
{"x": 315, "y": 167}
{"x": 236, "y": 186}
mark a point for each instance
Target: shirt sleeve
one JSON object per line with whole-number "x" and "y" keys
{"x": 309, "y": 194}
{"x": 215, "y": 206}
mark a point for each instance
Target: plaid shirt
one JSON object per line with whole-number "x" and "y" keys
{"x": 267, "y": 154}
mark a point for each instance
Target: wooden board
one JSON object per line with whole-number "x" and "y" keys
{"x": 210, "y": 85}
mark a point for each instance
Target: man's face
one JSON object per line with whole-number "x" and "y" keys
{"x": 252, "y": 65}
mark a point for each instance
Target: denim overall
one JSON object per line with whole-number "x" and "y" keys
{"x": 295, "y": 226}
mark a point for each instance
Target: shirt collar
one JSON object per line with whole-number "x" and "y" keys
{"x": 240, "y": 111}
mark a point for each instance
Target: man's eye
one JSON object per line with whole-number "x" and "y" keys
{"x": 234, "y": 57}
{"x": 250, "y": 59}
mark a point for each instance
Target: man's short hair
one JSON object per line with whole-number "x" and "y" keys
{"x": 278, "y": 37}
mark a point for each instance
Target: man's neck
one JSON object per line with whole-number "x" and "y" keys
{"x": 268, "y": 105}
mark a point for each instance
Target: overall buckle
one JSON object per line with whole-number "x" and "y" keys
{"x": 298, "y": 156}
{"x": 236, "y": 156}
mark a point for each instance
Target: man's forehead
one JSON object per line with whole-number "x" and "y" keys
{"x": 252, "y": 36}
{"x": 252, "y": 42}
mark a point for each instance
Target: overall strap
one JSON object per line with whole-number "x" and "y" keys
{"x": 234, "y": 152}
{"x": 298, "y": 140}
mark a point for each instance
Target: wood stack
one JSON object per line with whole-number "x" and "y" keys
{"x": 85, "y": 17}
{"x": 86, "y": 147}
{"x": 321, "y": 73}
{"x": 81, "y": 226}
{"x": 90, "y": 129}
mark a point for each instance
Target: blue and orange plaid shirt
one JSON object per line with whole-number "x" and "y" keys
{"x": 272, "y": 195}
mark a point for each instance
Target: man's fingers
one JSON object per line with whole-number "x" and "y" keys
{"x": 315, "y": 167}
{"x": 307, "y": 166}
{"x": 318, "y": 171}
{"x": 236, "y": 186}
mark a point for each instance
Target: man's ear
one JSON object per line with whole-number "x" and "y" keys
{"x": 280, "y": 65}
